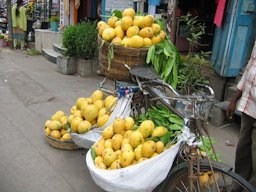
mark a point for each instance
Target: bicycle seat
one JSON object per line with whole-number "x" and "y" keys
{"x": 144, "y": 71}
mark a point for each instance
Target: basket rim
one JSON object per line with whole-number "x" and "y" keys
{"x": 57, "y": 143}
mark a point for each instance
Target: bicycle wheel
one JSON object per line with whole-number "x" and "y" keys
{"x": 222, "y": 179}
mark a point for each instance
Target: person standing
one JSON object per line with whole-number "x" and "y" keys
{"x": 245, "y": 101}
{"x": 19, "y": 24}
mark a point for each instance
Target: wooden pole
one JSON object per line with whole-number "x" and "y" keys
{"x": 171, "y": 18}
{"x": 9, "y": 17}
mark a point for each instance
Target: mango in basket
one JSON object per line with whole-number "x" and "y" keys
{"x": 146, "y": 128}
{"x": 55, "y": 134}
{"x": 55, "y": 125}
{"x": 99, "y": 147}
{"x": 129, "y": 123}
{"x": 108, "y": 132}
{"x": 148, "y": 149}
{"x": 119, "y": 126}
{"x": 117, "y": 141}
{"x": 74, "y": 124}
{"x": 109, "y": 158}
{"x": 99, "y": 104}
{"x": 90, "y": 113}
{"x": 159, "y": 131}
{"x": 136, "y": 138}
{"x": 84, "y": 126}
{"x": 47, "y": 123}
{"x": 116, "y": 164}
{"x": 102, "y": 111}
{"x": 127, "y": 158}
{"x": 159, "y": 147}
{"x": 137, "y": 152}
{"x": 102, "y": 120}
{"x": 66, "y": 137}
{"x": 47, "y": 131}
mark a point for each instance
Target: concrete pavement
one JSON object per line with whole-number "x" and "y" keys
{"x": 30, "y": 92}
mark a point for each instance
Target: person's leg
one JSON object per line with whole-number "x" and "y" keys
{"x": 243, "y": 160}
{"x": 22, "y": 44}
{"x": 15, "y": 38}
{"x": 15, "y": 43}
{"x": 253, "y": 176}
{"x": 22, "y": 40}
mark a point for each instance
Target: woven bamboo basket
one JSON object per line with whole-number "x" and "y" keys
{"x": 122, "y": 55}
{"x": 66, "y": 145}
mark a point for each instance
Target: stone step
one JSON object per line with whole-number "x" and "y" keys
{"x": 218, "y": 113}
{"x": 58, "y": 48}
{"x": 230, "y": 91}
{"x": 50, "y": 55}
{"x": 224, "y": 105}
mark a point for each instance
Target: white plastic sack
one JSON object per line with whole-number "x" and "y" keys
{"x": 144, "y": 176}
{"x": 122, "y": 109}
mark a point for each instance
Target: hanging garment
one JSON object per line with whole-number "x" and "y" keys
{"x": 219, "y": 12}
{"x": 77, "y": 3}
{"x": 67, "y": 7}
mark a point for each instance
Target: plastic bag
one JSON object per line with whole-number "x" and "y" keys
{"x": 141, "y": 177}
{"x": 122, "y": 109}
{"x": 144, "y": 176}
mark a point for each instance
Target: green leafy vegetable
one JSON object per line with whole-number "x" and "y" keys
{"x": 93, "y": 153}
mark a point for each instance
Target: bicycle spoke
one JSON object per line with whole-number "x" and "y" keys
{"x": 184, "y": 186}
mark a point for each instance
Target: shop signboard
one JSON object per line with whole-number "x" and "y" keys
{"x": 117, "y": 4}
{"x": 55, "y": 4}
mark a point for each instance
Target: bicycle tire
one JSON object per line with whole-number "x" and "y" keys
{"x": 177, "y": 179}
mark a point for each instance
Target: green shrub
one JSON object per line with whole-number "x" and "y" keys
{"x": 69, "y": 40}
{"x": 54, "y": 18}
{"x": 1, "y": 36}
{"x": 81, "y": 40}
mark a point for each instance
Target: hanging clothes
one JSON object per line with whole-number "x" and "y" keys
{"x": 67, "y": 7}
{"x": 75, "y": 13}
{"x": 77, "y": 4}
{"x": 219, "y": 12}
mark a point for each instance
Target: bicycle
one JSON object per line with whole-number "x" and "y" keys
{"x": 193, "y": 171}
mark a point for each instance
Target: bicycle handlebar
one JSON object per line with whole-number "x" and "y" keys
{"x": 194, "y": 97}
{"x": 201, "y": 97}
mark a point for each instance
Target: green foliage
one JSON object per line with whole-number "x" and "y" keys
{"x": 165, "y": 59}
{"x": 32, "y": 52}
{"x": 189, "y": 72}
{"x": 1, "y": 36}
{"x": 86, "y": 41}
{"x": 117, "y": 13}
{"x": 80, "y": 40}
{"x": 69, "y": 40}
{"x": 54, "y": 18}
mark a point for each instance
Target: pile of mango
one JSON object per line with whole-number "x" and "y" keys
{"x": 86, "y": 113}
{"x": 131, "y": 30}
{"x": 123, "y": 144}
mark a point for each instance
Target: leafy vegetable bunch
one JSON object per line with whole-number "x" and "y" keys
{"x": 165, "y": 59}
{"x": 162, "y": 116}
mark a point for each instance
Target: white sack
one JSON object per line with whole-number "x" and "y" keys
{"x": 141, "y": 177}
{"x": 122, "y": 109}
{"x": 144, "y": 176}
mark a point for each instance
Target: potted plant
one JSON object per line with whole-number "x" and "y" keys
{"x": 54, "y": 20}
{"x": 80, "y": 43}
{"x": 2, "y": 41}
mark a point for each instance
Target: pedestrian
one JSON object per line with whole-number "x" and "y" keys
{"x": 19, "y": 24}
{"x": 245, "y": 101}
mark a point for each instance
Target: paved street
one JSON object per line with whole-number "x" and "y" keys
{"x": 30, "y": 92}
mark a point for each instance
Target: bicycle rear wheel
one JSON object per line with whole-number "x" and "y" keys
{"x": 221, "y": 179}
